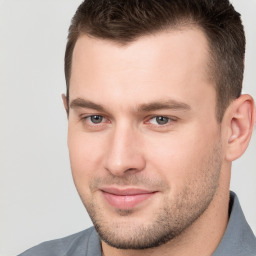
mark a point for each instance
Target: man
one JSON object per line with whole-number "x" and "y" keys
{"x": 156, "y": 118}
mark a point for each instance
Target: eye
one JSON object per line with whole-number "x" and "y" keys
{"x": 94, "y": 122}
{"x": 160, "y": 120}
{"x": 96, "y": 119}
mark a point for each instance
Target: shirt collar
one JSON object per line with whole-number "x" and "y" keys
{"x": 238, "y": 239}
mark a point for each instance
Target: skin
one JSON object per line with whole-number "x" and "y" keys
{"x": 185, "y": 161}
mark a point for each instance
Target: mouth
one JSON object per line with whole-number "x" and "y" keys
{"x": 126, "y": 198}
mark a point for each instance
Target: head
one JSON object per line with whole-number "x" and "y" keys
{"x": 155, "y": 115}
{"x": 125, "y": 21}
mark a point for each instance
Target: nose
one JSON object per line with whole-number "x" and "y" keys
{"x": 124, "y": 152}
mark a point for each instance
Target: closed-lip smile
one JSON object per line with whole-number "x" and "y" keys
{"x": 125, "y": 198}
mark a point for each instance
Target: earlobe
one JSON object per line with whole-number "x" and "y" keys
{"x": 65, "y": 103}
{"x": 241, "y": 119}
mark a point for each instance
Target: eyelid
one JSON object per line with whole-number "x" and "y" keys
{"x": 86, "y": 118}
{"x": 171, "y": 118}
{"x": 171, "y": 121}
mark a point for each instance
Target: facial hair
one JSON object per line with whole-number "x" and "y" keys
{"x": 168, "y": 221}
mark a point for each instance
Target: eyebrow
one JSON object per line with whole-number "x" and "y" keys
{"x": 83, "y": 103}
{"x": 147, "y": 107}
{"x": 169, "y": 104}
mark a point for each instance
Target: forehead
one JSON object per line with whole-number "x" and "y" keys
{"x": 179, "y": 44}
{"x": 171, "y": 63}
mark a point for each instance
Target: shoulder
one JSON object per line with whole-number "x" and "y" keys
{"x": 238, "y": 239}
{"x": 76, "y": 244}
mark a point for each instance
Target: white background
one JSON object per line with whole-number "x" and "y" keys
{"x": 38, "y": 200}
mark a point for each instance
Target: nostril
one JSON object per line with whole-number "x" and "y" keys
{"x": 127, "y": 166}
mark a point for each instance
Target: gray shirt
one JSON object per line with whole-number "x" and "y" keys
{"x": 238, "y": 239}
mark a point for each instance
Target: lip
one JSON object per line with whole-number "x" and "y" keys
{"x": 126, "y": 198}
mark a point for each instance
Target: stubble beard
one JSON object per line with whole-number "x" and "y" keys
{"x": 169, "y": 221}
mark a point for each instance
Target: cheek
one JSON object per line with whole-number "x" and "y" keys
{"x": 182, "y": 157}
{"x": 85, "y": 156}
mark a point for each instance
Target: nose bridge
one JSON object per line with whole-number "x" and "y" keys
{"x": 124, "y": 152}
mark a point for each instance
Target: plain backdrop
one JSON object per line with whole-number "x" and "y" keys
{"x": 38, "y": 200}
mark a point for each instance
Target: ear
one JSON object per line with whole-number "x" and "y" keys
{"x": 65, "y": 102}
{"x": 239, "y": 120}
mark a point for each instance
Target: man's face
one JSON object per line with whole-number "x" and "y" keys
{"x": 144, "y": 142}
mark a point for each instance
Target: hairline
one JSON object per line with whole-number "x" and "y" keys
{"x": 182, "y": 24}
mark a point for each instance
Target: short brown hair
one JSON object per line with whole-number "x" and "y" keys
{"x": 124, "y": 21}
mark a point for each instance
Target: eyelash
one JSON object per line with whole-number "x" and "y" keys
{"x": 104, "y": 121}
{"x": 87, "y": 120}
{"x": 166, "y": 118}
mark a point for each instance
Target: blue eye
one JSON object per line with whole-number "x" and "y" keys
{"x": 96, "y": 119}
{"x": 95, "y": 122}
{"x": 160, "y": 120}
